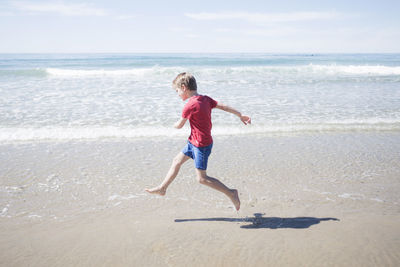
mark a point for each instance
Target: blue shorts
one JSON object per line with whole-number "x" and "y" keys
{"x": 199, "y": 154}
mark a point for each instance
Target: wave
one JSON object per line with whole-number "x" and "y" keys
{"x": 110, "y": 132}
{"x": 303, "y": 69}
{"x": 77, "y": 133}
{"x": 60, "y": 72}
{"x": 353, "y": 69}
{"x": 103, "y": 72}
{"x": 331, "y": 70}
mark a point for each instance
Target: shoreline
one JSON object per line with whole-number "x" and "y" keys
{"x": 307, "y": 200}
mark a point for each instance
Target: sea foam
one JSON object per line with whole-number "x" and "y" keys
{"x": 111, "y": 132}
{"x": 99, "y": 72}
{"x": 306, "y": 69}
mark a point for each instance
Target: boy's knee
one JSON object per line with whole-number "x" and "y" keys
{"x": 177, "y": 161}
{"x": 202, "y": 178}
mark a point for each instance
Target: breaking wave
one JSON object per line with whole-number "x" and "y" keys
{"x": 111, "y": 132}
{"x": 331, "y": 70}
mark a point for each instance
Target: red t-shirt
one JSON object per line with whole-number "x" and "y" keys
{"x": 198, "y": 111}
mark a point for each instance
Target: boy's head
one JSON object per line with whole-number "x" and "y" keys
{"x": 185, "y": 79}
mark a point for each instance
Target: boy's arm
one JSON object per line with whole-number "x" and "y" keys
{"x": 245, "y": 119}
{"x": 179, "y": 124}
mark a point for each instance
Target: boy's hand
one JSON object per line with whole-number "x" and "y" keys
{"x": 245, "y": 119}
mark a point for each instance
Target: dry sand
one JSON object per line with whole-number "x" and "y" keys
{"x": 311, "y": 200}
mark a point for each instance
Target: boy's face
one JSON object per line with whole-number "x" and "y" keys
{"x": 182, "y": 92}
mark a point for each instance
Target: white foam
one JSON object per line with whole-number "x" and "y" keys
{"x": 71, "y": 133}
{"x": 229, "y": 70}
{"x": 98, "y": 72}
{"x": 377, "y": 200}
{"x": 328, "y": 126}
{"x": 109, "y": 72}
{"x": 352, "y": 196}
{"x": 12, "y": 189}
{"x": 89, "y": 133}
{"x": 119, "y": 197}
{"x": 356, "y": 69}
{"x": 4, "y": 211}
{"x": 34, "y": 216}
{"x": 321, "y": 69}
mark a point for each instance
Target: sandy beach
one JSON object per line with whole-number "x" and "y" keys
{"x": 307, "y": 200}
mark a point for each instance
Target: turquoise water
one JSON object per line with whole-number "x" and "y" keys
{"x": 95, "y": 96}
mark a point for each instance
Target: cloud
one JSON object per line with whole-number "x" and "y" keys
{"x": 265, "y": 17}
{"x": 6, "y": 14}
{"x": 124, "y": 17}
{"x": 280, "y": 31}
{"x": 61, "y": 8}
{"x": 192, "y": 36}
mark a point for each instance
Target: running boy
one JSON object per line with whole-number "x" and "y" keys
{"x": 198, "y": 111}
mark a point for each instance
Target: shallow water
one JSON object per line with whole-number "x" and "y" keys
{"x": 97, "y": 96}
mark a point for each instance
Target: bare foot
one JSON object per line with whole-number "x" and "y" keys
{"x": 235, "y": 199}
{"x": 156, "y": 190}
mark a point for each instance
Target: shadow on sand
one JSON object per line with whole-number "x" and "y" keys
{"x": 258, "y": 221}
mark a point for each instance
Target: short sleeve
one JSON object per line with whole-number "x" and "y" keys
{"x": 213, "y": 103}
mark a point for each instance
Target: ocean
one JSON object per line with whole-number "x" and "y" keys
{"x": 112, "y": 96}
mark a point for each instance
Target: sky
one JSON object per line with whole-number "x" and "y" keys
{"x": 206, "y": 26}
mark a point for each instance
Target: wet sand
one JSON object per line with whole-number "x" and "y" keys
{"x": 310, "y": 200}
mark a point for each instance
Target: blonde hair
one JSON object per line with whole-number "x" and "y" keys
{"x": 186, "y": 79}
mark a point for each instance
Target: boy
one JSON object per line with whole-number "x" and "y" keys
{"x": 198, "y": 111}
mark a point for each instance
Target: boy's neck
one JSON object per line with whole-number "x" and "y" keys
{"x": 192, "y": 93}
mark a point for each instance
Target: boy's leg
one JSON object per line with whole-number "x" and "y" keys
{"x": 172, "y": 173}
{"x": 218, "y": 185}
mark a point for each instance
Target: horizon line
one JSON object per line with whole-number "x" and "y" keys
{"x": 194, "y": 52}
